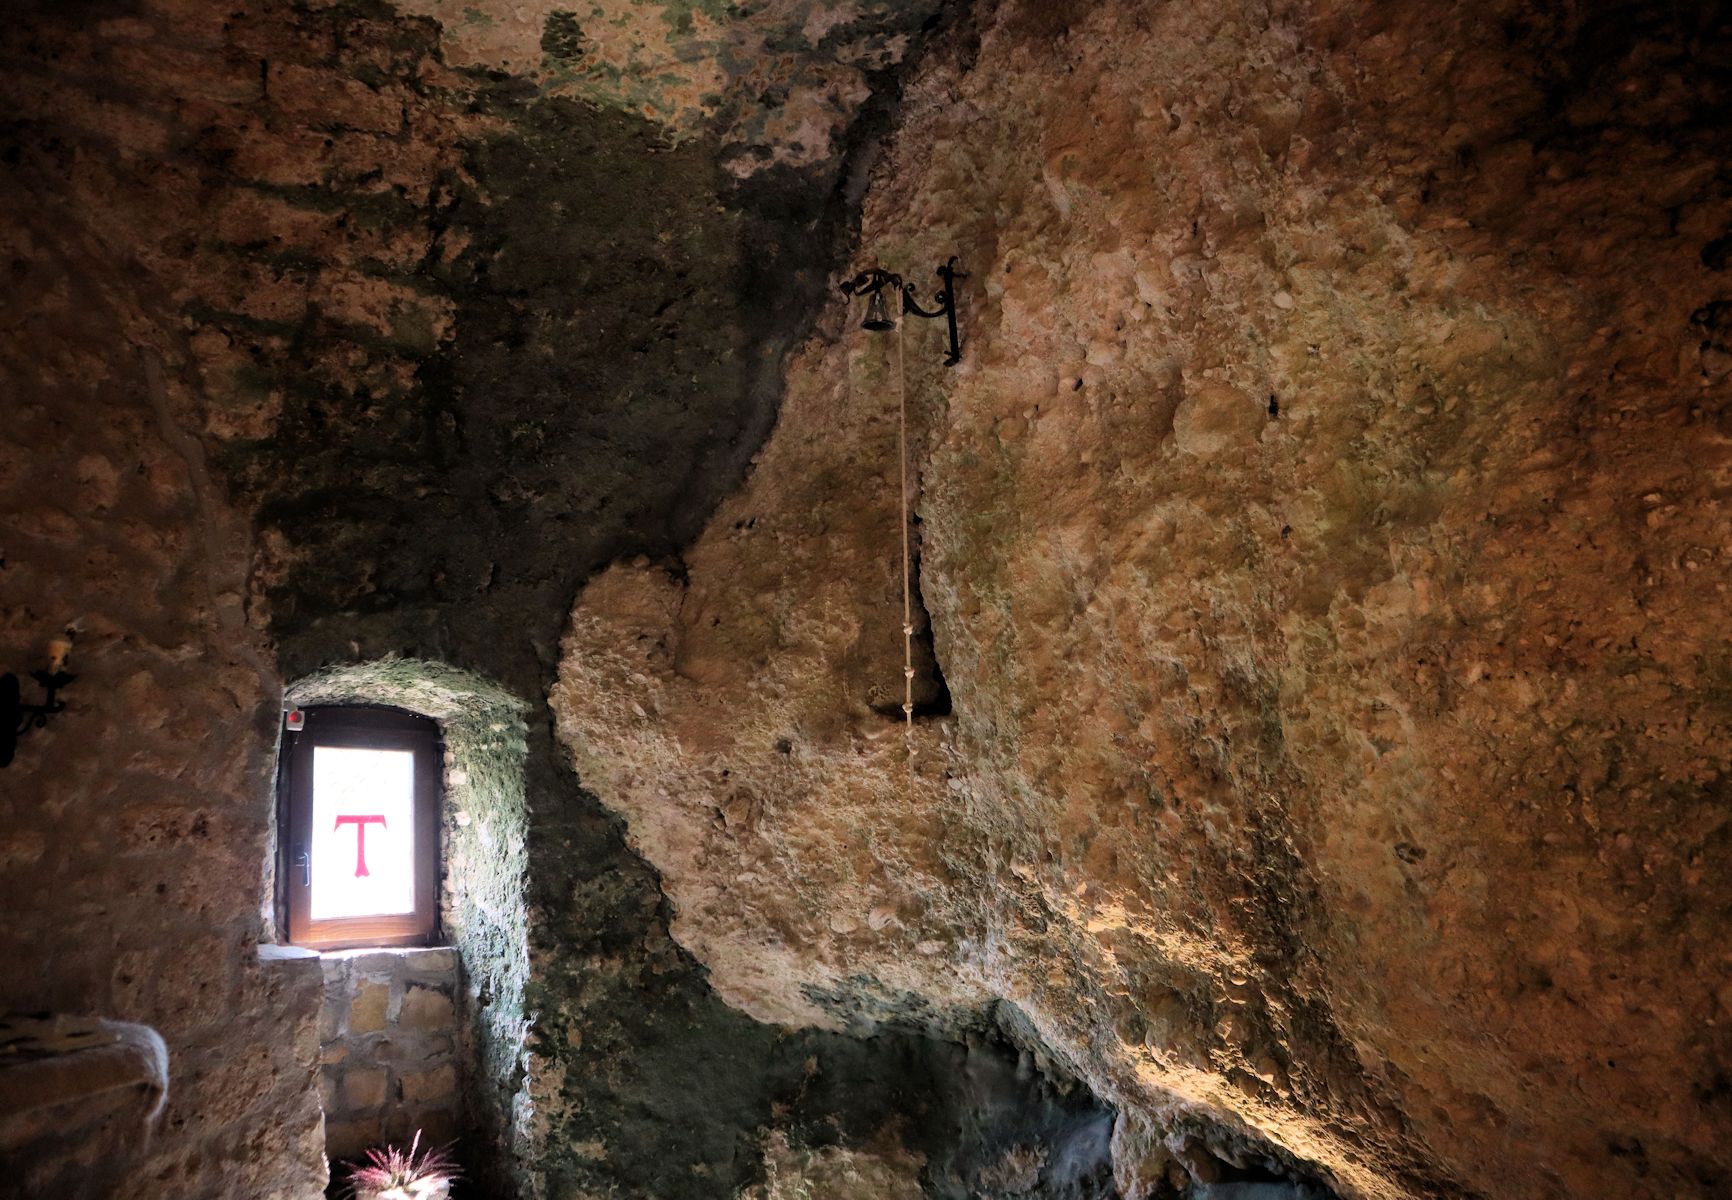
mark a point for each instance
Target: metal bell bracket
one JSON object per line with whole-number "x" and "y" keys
{"x": 874, "y": 280}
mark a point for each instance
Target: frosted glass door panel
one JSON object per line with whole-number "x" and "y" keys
{"x": 363, "y": 832}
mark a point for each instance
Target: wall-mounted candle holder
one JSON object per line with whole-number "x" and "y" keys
{"x": 872, "y": 283}
{"x": 18, "y": 718}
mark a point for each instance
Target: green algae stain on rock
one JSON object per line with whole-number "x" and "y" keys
{"x": 562, "y": 36}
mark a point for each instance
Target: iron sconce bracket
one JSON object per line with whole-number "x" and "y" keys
{"x": 873, "y": 282}
{"x": 18, "y": 718}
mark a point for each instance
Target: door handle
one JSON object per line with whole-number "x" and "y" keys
{"x": 304, "y": 861}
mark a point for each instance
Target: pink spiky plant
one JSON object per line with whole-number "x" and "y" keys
{"x": 413, "y": 1174}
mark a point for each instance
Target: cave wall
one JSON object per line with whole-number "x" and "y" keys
{"x": 1320, "y": 545}
{"x": 346, "y": 345}
{"x": 1323, "y": 545}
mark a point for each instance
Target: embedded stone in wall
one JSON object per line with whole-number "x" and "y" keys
{"x": 1215, "y": 417}
{"x": 427, "y": 1009}
{"x": 367, "y": 1007}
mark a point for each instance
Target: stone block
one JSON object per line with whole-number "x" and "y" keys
{"x": 350, "y": 1139}
{"x": 377, "y": 964}
{"x": 132, "y": 975}
{"x": 426, "y": 1009}
{"x": 431, "y": 960}
{"x": 438, "y": 1126}
{"x": 367, "y": 1009}
{"x": 364, "y": 1088}
{"x": 331, "y": 1020}
{"x": 204, "y": 980}
{"x": 398, "y": 1127}
{"x": 430, "y": 1087}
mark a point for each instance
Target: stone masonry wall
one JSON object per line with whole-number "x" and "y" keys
{"x": 133, "y": 828}
{"x": 390, "y": 1054}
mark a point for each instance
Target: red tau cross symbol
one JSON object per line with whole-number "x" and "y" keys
{"x": 360, "y": 824}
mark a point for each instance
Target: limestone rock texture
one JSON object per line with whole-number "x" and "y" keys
{"x": 1324, "y": 549}
{"x": 835, "y": 1172}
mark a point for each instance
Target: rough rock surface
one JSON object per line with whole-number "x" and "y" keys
{"x": 779, "y": 83}
{"x": 1321, "y": 545}
{"x": 134, "y": 826}
{"x": 1321, "y": 542}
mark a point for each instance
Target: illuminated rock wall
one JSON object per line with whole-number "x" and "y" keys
{"x": 1323, "y": 545}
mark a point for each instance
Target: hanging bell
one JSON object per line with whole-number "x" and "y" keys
{"x": 877, "y": 315}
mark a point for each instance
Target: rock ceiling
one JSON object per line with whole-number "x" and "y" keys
{"x": 780, "y": 79}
